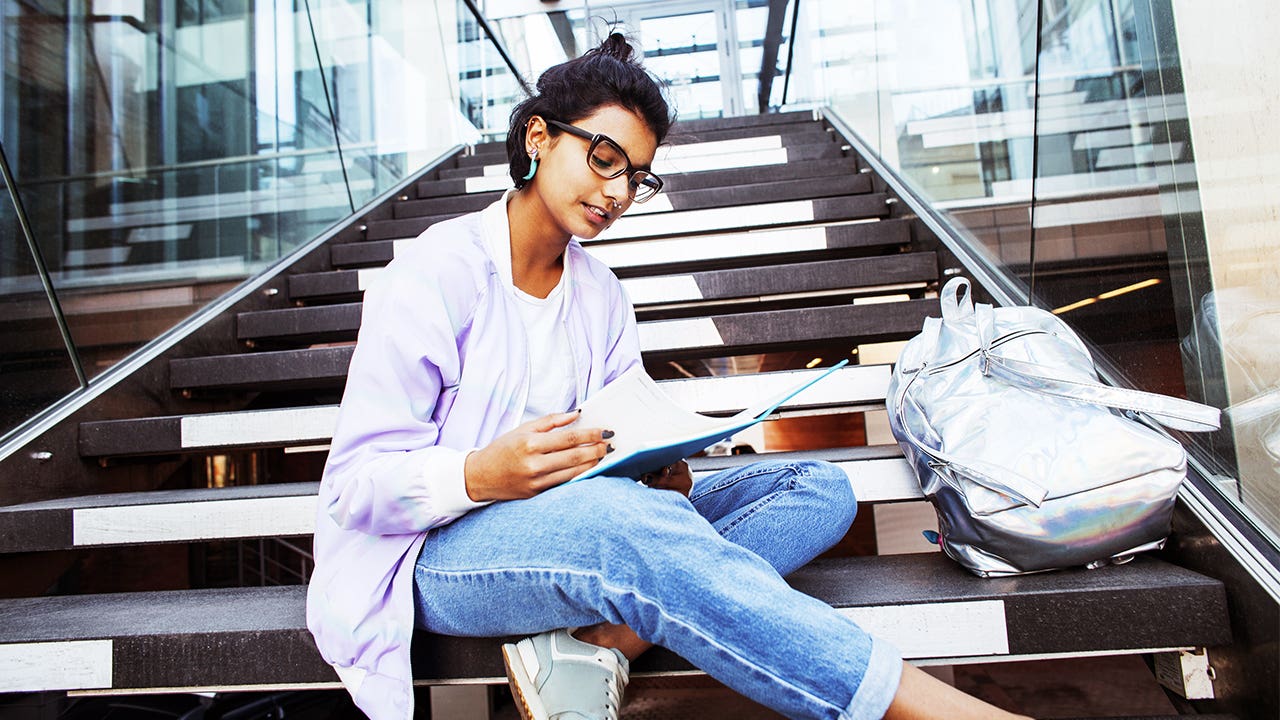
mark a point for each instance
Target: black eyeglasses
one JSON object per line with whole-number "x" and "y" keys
{"x": 609, "y": 160}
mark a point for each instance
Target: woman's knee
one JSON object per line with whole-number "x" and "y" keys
{"x": 831, "y": 493}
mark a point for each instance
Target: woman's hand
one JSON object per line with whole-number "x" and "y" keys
{"x": 533, "y": 457}
{"x": 675, "y": 476}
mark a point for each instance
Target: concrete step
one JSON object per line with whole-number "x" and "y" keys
{"x": 753, "y": 192}
{"x": 684, "y": 144}
{"x": 490, "y": 178}
{"x": 720, "y": 335}
{"x": 925, "y": 605}
{"x": 435, "y": 200}
{"x": 851, "y": 389}
{"x": 697, "y": 252}
{"x": 721, "y": 217}
{"x": 751, "y": 282}
{"x": 878, "y": 474}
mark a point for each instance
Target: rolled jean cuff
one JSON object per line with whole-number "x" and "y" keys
{"x": 879, "y": 684}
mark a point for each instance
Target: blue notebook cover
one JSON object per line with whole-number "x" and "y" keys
{"x": 634, "y": 406}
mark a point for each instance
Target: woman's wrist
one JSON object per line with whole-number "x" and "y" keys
{"x": 470, "y": 480}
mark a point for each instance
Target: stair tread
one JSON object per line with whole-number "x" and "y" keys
{"x": 759, "y": 281}
{"x": 878, "y": 474}
{"x": 480, "y": 178}
{"x": 679, "y": 182}
{"x": 258, "y": 635}
{"x": 852, "y": 387}
{"x": 702, "y": 211}
{"x": 876, "y": 322}
{"x": 696, "y": 251}
{"x": 677, "y": 188}
{"x": 793, "y": 117}
{"x": 792, "y": 134}
{"x": 732, "y": 121}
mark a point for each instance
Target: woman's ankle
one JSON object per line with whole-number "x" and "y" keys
{"x": 621, "y": 637}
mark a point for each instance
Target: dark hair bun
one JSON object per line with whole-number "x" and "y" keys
{"x": 615, "y": 46}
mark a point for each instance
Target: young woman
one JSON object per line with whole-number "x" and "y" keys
{"x": 443, "y": 504}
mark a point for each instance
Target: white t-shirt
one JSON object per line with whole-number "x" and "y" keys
{"x": 552, "y": 385}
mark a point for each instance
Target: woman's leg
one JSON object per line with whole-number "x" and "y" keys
{"x": 607, "y": 550}
{"x": 787, "y": 512}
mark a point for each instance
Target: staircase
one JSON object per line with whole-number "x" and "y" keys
{"x": 773, "y": 252}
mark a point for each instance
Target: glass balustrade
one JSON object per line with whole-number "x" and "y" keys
{"x": 167, "y": 151}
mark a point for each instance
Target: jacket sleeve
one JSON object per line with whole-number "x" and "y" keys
{"x": 386, "y": 472}
{"x": 624, "y": 346}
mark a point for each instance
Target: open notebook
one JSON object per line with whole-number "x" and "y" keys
{"x": 651, "y": 431}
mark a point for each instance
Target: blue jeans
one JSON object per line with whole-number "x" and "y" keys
{"x": 700, "y": 576}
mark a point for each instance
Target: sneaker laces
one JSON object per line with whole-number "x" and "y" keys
{"x": 616, "y": 682}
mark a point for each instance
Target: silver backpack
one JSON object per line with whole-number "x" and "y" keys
{"x": 1029, "y": 461}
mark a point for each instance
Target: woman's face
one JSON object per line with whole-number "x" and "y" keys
{"x": 579, "y": 201}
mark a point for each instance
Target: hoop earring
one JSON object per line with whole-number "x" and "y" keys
{"x": 533, "y": 165}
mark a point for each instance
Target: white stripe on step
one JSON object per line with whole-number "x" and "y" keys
{"x": 667, "y": 157}
{"x": 664, "y": 289}
{"x": 882, "y": 480}
{"x": 710, "y": 247}
{"x": 931, "y": 630}
{"x": 724, "y": 161}
{"x": 668, "y": 334}
{"x": 191, "y": 521}
{"x": 864, "y": 384}
{"x": 689, "y": 222}
{"x": 496, "y": 177}
{"x": 873, "y": 481}
{"x": 69, "y": 665}
{"x": 659, "y": 204}
{"x": 368, "y": 275}
{"x": 268, "y": 427}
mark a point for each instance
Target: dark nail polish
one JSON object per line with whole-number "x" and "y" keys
{"x": 606, "y": 434}
{"x": 608, "y": 449}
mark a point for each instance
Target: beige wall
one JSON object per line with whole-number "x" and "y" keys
{"x": 1231, "y": 68}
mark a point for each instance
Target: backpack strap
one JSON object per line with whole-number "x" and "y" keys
{"x": 1171, "y": 412}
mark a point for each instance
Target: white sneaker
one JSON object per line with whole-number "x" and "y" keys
{"x": 554, "y": 676}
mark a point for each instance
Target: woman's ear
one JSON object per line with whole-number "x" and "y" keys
{"x": 535, "y": 135}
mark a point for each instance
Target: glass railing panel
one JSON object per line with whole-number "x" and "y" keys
{"x": 394, "y": 73}
{"x": 1108, "y": 141}
{"x": 149, "y": 199}
{"x": 942, "y": 96}
{"x": 36, "y": 366}
{"x": 166, "y": 151}
{"x": 750, "y": 23}
{"x": 1128, "y": 185}
{"x": 487, "y": 87}
{"x": 1193, "y": 200}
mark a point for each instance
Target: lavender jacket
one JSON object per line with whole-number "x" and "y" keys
{"x": 441, "y": 368}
